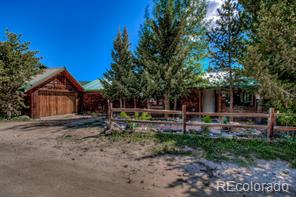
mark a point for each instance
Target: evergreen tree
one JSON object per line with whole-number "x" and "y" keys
{"x": 117, "y": 82}
{"x": 170, "y": 48}
{"x": 226, "y": 38}
{"x": 271, "y": 55}
{"x": 17, "y": 65}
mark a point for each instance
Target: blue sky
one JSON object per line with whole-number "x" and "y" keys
{"x": 76, "y": 34}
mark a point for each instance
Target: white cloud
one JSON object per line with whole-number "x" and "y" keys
{"x": 212, "y": 13}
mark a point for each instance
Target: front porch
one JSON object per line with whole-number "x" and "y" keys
{"x": 217, "y": 100}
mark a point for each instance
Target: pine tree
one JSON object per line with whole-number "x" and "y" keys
{"x": 170, "y": 48}
{"x": 17, "y": 65}
{"x": 117, "y": 81}
{"x": 226, "y": 37}
{"x": 271, "y": 55}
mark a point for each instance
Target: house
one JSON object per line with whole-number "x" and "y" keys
{"x": 56, "y": 92}
{"x": 212, "y": 94}
{"x": 53, "y": 92}
{"x": 93, "y": 100}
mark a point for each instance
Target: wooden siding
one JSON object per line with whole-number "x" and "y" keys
{"x": 193, "y": 100}
{"x": 93, "y": 102}
{"x": 56, "y": 103}
{"x": 56, "y": 96}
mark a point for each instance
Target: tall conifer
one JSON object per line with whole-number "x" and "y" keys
{"x": 116, "y": 81}
{"x": 226, "y": 37}
{"x": 17, "y": 65}
{"x": 170, "y": 47}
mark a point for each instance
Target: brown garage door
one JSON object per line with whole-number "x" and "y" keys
{"x": 56, "y": 103}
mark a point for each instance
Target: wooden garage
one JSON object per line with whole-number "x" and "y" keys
{"x": 53, "y": 92}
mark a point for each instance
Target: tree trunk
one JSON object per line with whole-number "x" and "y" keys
{"x": 124, "y": 103}
{"x": 231, "y": 103}
{"x": 135, "y": 103}
{"x": 175, "y": 103}
{"x": 120, "y": 102}
{"x": 230, "y": 76}
{"x": 166, "y": 104}
{"x": 148, "y": 104}
{"x": 9, "y": 111}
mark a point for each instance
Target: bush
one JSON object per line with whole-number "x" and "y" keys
{"x": 21, "y": 118}
{"x": 132, "y": 125}
{"x": 146, "y": 116}
{"x": 123, "y": 115}
{"x": 206, "y": 119}
{"x": 287, "y": 120}
{"x": 225, "y": 120}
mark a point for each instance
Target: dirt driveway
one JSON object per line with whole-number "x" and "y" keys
{"x": 38, "y": 158}
{"x": 36, "y": 162}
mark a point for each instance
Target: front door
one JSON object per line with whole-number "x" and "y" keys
{"x": 208, "y": 101}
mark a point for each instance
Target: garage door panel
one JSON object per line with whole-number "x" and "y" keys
{"x": 56, "y": 103}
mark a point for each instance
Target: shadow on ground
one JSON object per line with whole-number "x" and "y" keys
{"x": 75, "y": 122}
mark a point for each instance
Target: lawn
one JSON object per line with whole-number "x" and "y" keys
{"x": 240, "y": 151}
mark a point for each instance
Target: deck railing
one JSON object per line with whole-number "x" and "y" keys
{"x": 270, "y": 126}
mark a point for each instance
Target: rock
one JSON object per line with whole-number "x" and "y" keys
{"x": 286, "y": 172}
{"x": 226, "y": 135}
{"x": 187, "y": 149}
{"x": 125, "y": 166}
{"x": 215, "y": 131}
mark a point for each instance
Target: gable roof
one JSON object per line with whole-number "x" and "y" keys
{"x": 47, "y": 74}
{"x": 94, "y": 85}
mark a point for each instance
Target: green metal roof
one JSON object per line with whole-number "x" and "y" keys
{"x": 219, "y": 80}
{"x": 41, "y": 77}
{"x": 94, "y": 85}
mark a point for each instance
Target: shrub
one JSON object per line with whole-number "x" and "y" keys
{"x": 287, "y": 120}
{"x": 146, "y": 116}
{"x": 123, "y": 115}
{"x": 136, "y": 116}
{"x": 206, "y": 119}
{"x": 132, "y": 125}
{"x": 225, "y": 120}
{"x": 21, "y": 118}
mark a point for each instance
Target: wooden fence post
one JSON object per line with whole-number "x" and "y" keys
{"x": 184, "y": 118}
{"x": 271, "y": 123}
{"x": 109, "y": 115}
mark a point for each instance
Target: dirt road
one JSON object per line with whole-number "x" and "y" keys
{"x": 34, "y": 162}
{"x": 38, "y": 158}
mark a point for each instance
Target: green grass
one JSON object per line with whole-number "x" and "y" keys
{"x": 221, "y": 149}
{"x": 16, "y": 118}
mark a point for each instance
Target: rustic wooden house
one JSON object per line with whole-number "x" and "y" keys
{"x": 56, "y": 92}
{"x": 53, "y": 92}
{"x": 93, "y": 100}
{"x": 211, "y": 95}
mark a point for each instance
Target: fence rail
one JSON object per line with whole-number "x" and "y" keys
{"x": 271, "y": 116}
{"x": 256, "y": 115}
